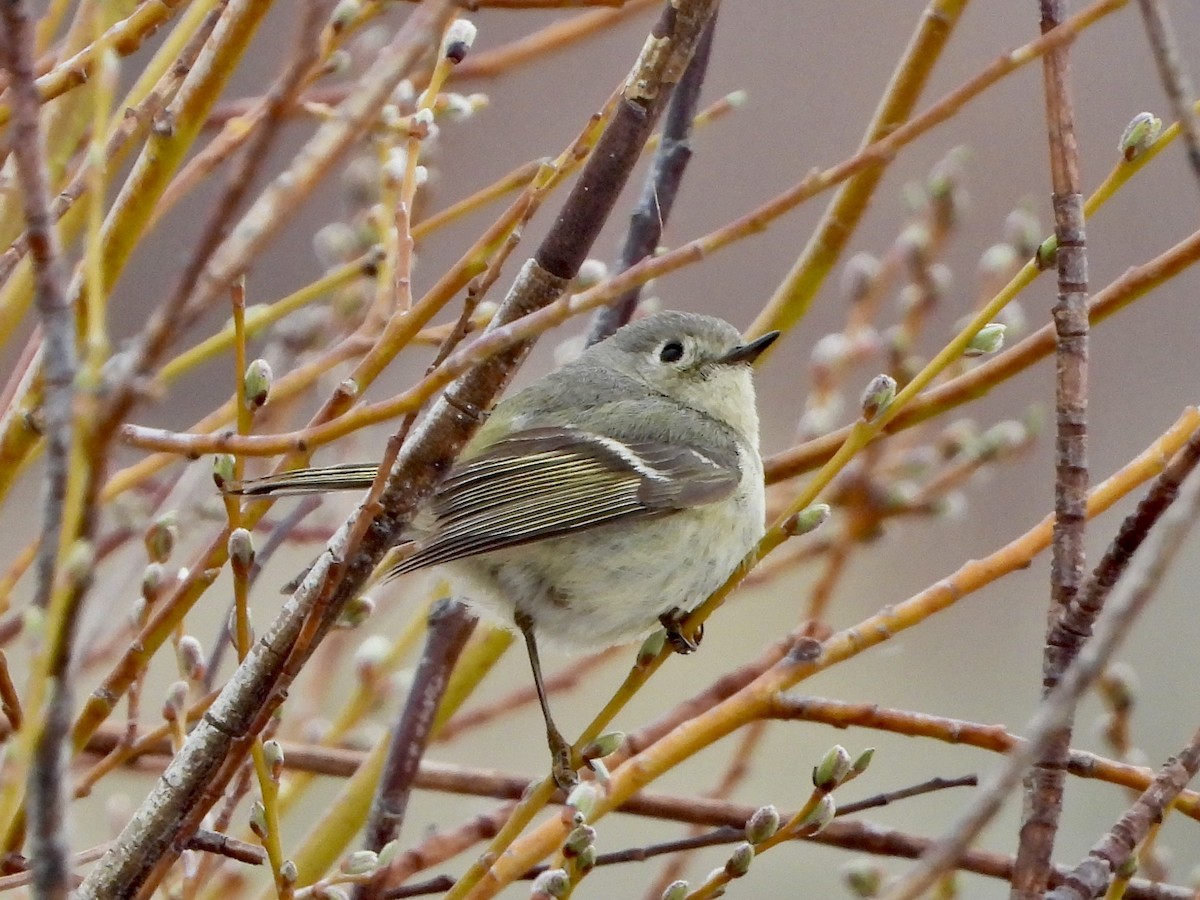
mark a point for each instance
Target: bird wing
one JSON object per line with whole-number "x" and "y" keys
{"x": 546, "y": 482}
{"x": 317, "y": 480}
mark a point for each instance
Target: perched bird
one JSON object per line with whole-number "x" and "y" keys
{"x": 608, "y": 497}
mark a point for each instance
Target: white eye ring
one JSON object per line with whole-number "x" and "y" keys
{"x": 672, "y": 351}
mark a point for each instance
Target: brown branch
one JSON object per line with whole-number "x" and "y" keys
{"x": 449, "y": 627}
{"x": 1174, "y": 76}
{"x": 661, "y": 186}
{"x": 49, "y": 849}
{"x": 1044, "y": 785}
{"x": 1142, "y": 581}
{"x": 1092, "y": 875}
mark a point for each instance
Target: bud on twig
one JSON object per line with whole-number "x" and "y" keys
{"x": 988, "y": 339}
{"x": 879, "y": 394}
{"x": 257, "y": 382}
{"x": 1141, "y": 132}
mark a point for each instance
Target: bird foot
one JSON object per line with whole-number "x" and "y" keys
{"x": 672, "y": 621}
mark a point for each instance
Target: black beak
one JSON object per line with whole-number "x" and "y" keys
{"x": 748, "y": 353}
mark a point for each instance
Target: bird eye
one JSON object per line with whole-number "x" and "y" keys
{"x": 672, "y": 351}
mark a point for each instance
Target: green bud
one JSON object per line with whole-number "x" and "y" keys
{"x": 583, "y": 798}
{"x": 360, "y": 862}
{"x": 1047, "y": 253}
{"x": 79, "y": 563}
{"x": 160, "y": 538}
{"x": 651, "y": 647}
{"x": 552, "y": 883}
{"x": 739, "y": 861}
{"x": 763, "y": 824}
{"x": 878, "y": 396}
{"x": 988, "y": 339}
{"x": 864, "y": 878}
{"x": 258, "y": 819}
{"x": 1138, "y": 136}
{"x": 833, "y": 768}
{"x": 241, "y": 549}
{"x": 821, "y": 815}
{"x": 1129, "y": 868}
{"x": 257, "y": 382}
{"x": 603, "y": 746}
{"x": 222, "y": 469}
{"x": 863, "y": 761}
{"x": 807, "y": 520}
{"x": 581, "y": 836}
{"x": 388, "y": 853}
{"x": 273, "y": 754}
{"x": 676, "y": 890}
{"x": 586, "y": 860}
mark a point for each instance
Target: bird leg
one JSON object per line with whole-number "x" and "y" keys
{"x": 561, "y": 755}
{"x": 672, "y": 621}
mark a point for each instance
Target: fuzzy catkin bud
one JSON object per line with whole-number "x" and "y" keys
{"x": 763, "y": 824}
{"x": 739, "y": 861}
{"x": 257, "y": 382}
{"x": 551, "y": 883}
{"x": 878, "y": 395}
{"x": 160, "y": 538}
{"x": 360, "y": 862}
{"x": 1138, "y": 136}
{"x": 833, "y": 768}
{"x": 987, "y": 339}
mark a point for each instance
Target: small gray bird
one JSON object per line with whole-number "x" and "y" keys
{"x": 609, "y": 496}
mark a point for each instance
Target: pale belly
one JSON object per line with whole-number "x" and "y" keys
{"x": 648, "y": 568}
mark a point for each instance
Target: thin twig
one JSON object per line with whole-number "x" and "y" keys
{"x": 1111, "y": 852}
{"x": 648, "y": 219}
{"x": 1127, "y": 603}
{"x": 1174, "y": 75}
{"x": 449, "y": 627}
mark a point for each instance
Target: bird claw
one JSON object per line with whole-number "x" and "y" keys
{"x": 672, "y": 621}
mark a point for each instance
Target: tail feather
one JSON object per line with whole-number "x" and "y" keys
{"x": 347, "y": 477}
